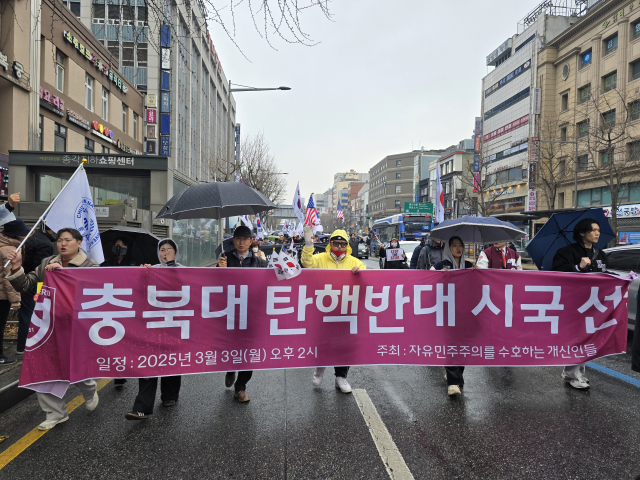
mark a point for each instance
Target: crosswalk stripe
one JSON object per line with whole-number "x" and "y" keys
{"x": 389, "y": 453}
{"x": 23, "y": 443}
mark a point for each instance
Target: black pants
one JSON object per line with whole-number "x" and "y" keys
{"x": 454, "y": 376}
{"x": 27, "y": 304}
{"x": 243, "y": 378}
{"x": 5, "y": 306}
{"x": 169, "y": 390}
{"x": 341, "y": 371}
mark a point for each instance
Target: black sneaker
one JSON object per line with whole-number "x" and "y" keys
{"x": 136, "y": 416}
{"x": 19, "y": 353}
{"x": 169, "y": 403}
{"x": 6, "y": 360}
{"x": 119, "y": 383}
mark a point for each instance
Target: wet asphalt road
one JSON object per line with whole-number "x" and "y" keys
{"x": 511, "y": 423}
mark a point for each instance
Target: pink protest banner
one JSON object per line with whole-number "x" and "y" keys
{"x": 138, "y": 322}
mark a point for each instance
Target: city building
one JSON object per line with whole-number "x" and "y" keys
{"x": 421, "y": 172}
{"x": 456, "y": 178}
{"x": 590, "y": 81}
{"x": 340, "y": 189}
{"x": 509, "y": 102}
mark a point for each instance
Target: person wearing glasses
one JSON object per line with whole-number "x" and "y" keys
{"x": 337, "y": 256}
{"x": 240, "y": 256}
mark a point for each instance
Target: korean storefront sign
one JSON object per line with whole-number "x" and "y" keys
{"x": 165, "y": 102}
{"x": 101, "y": 65}
{"x": 76, "y": 118}
{"x": 139, "y": 162}
{"x": 151, "y": 115}
{"x": 152, "y": 101}
{"x": 164, "y": 145}
{"x": 51, "y": 102}
{"x": 145, "y": 323}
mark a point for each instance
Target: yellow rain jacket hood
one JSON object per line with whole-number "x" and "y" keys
{"x": 327, "y": 259}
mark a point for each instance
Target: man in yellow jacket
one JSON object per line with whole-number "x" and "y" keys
{"x": 337, "y": 256}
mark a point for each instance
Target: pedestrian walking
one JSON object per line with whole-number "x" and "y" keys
{"x": 431, "y": 253}
{"x": 500, "y": 256}
{"x": 580, "y": 257}
{"x": 394, "y": 264}
{"x": 338, "y": 257}
{"x": 169, "y": 386}
{"x": 241, "y": 257}
{"x": 416, "y": 254}
{"x": 453, "y": 259}
{"x": 68, "y": 241}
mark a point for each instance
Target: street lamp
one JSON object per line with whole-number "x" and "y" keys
{"x": 244, "y": 89}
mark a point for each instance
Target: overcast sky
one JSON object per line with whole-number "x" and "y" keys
{"x": 386, "y": 77}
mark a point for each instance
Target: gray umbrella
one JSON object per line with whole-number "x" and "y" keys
{"x": 216, "y": 200}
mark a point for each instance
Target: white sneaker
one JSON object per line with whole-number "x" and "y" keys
{"x": 317, "y": 375}
{"x": 567, "y": 378}
{"x": 49, "y": 424}
{"x": 454, "y": 390}
{"x": 93, "y": 403}
{"x": 579, "y": 383}
{"x": 343, "y": 385}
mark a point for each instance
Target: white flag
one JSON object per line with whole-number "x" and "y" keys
{"x": 439, "y": 197}
{"x": 297, "y": 204}
{"x": 260, "y": 233}
{"x": 247, "y": 221}
{"x": 74, "y": 209}
{"x": 5, "y": 215}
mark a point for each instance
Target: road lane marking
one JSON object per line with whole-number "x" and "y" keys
{"x": 22, "y": 444}
{"x": 614, "y": 373}
{"x": 389, "y": 453}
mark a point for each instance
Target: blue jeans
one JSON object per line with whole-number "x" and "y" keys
{"x": 27, "y": 304}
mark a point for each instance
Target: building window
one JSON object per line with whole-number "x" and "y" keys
{"x": 609, "y": 118}
{"x": 634, "y": 151}
{"x": 583, "y": 163}
{"x": 563, "y": 134}
{"x": 398, "y": 176}
{"x": 635, "y": 70}
{"x": 611, "y": 45}
{"x": 610, "y": 81}
{"x": 583, "y": 129}
{"x": 584, "y": 93}
{"x": 88, "y": 145}
{"x": 98, "y": 12}
{"x": 561, "y": 200}
{"x": 604, "y": 158}
{"x": 73, "y": 5}
{"x": 398, "y": 163}
{"x": 124, "y": 118}
{"x": 565, "y": 102}
{"x": 60, "y": 140}
{"x": 105, "y": 104}
{"x": 142, "y": 55}
{"x": 398, "y": 188}
{"x": 397, "y": 203}
{"x": 594, "y": 196}
{"x": 105, "y": 149}
{"x": 127, "y": 54}
{"x": 88, "y": 92}
{"x": 114, "y": 47}
{"x": 585, "y": 59}
{"x": 40, "y": 128}
{"x": 135, "y": 126}
{"x": 636, "y": 30}
{"x": 59, "y": 71}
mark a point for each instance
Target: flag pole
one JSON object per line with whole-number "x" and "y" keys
{"x": 80, "y": 167}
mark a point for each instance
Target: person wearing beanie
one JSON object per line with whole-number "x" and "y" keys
{"x": 240, "y": 256}
{"x": 10, "y": 238}
{"x": 337, "y": 256}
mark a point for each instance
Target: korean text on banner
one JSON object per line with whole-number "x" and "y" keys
{"x": 146, "y": 323}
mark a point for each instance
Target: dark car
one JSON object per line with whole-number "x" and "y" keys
{"x": 622, "y": 260}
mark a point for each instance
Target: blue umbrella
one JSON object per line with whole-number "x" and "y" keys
{"x": 558, "y": 233}
{"x": 476, "y": 230}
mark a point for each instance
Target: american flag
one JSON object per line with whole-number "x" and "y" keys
{"x": 340, "y": 213}
{"x": 311, "y": 216}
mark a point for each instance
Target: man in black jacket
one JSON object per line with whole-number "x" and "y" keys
{"x": 580, "y": 257}
{"x": 240, "y": 256}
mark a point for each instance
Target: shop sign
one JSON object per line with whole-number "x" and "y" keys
{"x": 102, "y": 132}
{"x": 502, "y": 82}
{"x": 164, "y": 145}
{"x": 126, "y": 148}
{"x": 152, "y": 100}
{"x": 138, "y": 162}
{"x": 508, "y": 191}
{"x": 531, "y": 201}
{"x": 477, "y": 144}
{"x": 151, "y": 131}
{"x": 532, "y": 175}
{"x": 629, "y": 238}
{"x": 76, "y": 118}
{"x": 619, "y": 14}
{"x": 18, "y": 68}
{"x": 478, "y": 129}
{"x": 537, "y": 100}
{"x": 51, "y": 102}
{"x": 166, "y": 59}
{"x": 499, "y": 51}
{"x": 521, "y": 122}
{"x": 535, "y": 146}
{"x": 631, "y": 210}
{"x": 213, "y": 52}
{"x": 151, "y": 147}
{"x": 101, "y": 212}
{"x": 509, "y": 152}
{"x": 476, "y": 183}
{"x": 151, "y": 115}
{"x": 97, "y": 62}
{"x": 165, "y": 102}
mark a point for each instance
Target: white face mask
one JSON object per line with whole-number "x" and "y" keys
{"x": 394, "y": 245}
{"x": 255, "y": 250}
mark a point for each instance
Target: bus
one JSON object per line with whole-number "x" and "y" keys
{"x": 404, "y": 227}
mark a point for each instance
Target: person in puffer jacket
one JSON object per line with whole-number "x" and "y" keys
{"x": 337, "y": 256}
{"x": 169, "y": 386}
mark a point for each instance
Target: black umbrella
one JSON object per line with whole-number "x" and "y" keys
{"x": 216, "y": 200}
{"x": 142, "y": 245}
